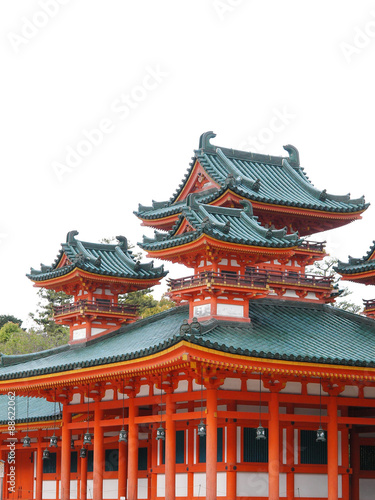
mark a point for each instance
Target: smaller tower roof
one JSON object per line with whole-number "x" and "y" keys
{"x": 361, "y": 269}
{"x": 100, "y": 259}
{"x": 237, "y": 226}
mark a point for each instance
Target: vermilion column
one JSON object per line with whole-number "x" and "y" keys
{"x": 122, "y": 469}
{"x": 332, "y": 445}
{"x": 39, "y": 472}
{"x": 65, "y": 455}
{"x": 355, "y": 464}
{"x": 98, "y": 453}
{"x": 170, "y": 450}
{"x": 273, "y": 447}
{"x": 83, "y": 479}
{"x": 132, "y": 452}
{"x": 290, "y": 462}
{"x": 211, "y": 448}
{"x": 231, "y": 442}
{"x": 345, "y": 457}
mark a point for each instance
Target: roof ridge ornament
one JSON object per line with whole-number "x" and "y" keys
{"x": 239, "y": 177}
{"x": 293, "y": 154}
{"x": 70, "y": 237}
{"x": 123, "y": 242}
{"x": 204, "y": 140}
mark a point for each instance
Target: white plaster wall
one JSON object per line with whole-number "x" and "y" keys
{"x": 110, "y": 488}
{"x": 252, "y": 484}
{"x": 231, "y": 310}
{"x": 231, "y": 384}
{"x": 238, "y": 444}
{"x": 142, "y": 487}
{"x": 49, "y": 489}
{"x": 96, "y": 331}
{"x": 351, "y": 391}
{"x": 108, "y": 396}
{"x": 253, "y": 386}
{"x": 369, "y": 392}
{"x": 181, "y": 485}
{"x": 73, "y": 489}
{"x": 90, "y": 488}
{"x": 143, "y": 391}
{"x": 183, "y": 386}
{"x": 160, "y": 485}
{"x": 282, "y": 485}
{"x": 284, "y": 446}
{"x": 199, "y": 488}
{"x": 296, "y": 446}
{"x": 366, "y": 489}
{"x": 339, "y": 448}
{"x": 313, "y": 390}
{"x": 309, "y": 411}
{"x": 313, "y": 485}
{"x": 292, "y": 388}
{"x": 79, "y": 334}
{"x": 221, "y": 484}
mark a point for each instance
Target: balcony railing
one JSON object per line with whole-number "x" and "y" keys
{"x": 369, "y": 304}
{"x": 258, "y": 278}
{"x": 313, "y": 245}
{"x": 90, "y": 306}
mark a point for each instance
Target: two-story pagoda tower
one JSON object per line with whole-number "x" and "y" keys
{"x": 361, "y": 270}
{"x": 283, "y": 201}
{"x": 95, "y": 274}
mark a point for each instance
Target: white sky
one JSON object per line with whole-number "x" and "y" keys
{"x": 221, "y": 65}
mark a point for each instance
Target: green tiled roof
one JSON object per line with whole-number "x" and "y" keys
{"x": 285, "y": 330}
{"x": 356, "y": 266}
{"x": 39, "y": 409}
{"x": 222, "y": 223}
{"x": 269, "y": 179}
{"x": 98, "y": 258}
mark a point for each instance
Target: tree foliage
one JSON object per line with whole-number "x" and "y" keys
{"x": 325, "y": 268}
{"x": 9, "y": 318}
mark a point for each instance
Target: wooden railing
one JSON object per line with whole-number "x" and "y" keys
{"x": 313, "y": 245}
{"x": 93, "y": 306}
{"x": 258, "y": 279}
{"x": 369, "y": 304}
{"x": 252, "y": 278}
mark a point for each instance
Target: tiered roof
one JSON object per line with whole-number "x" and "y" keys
{"x": 281, "y": 330}
{"x": 359, "y": 269}
{"x": 99, "y": 259}
{"x": 276, "y": 181}
{"x": 237, "y": 226}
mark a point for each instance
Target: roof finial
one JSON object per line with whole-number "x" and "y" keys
{"x": 293, "y": 154}
{"x": 70, "y": 236}
{"x": 204, "y": 140}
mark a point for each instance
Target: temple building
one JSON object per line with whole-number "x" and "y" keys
{"x": 253, "y": 387}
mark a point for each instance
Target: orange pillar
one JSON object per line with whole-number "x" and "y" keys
{"x": 345, "y": 461}
{"x": 65, "y": 455}
{"x": 332, "y": 446}
{"x": 122, "y": 467}
{"x": 211, "y": 447}
{"x": 231, "y": 442}
{"x": 98, "y": 453}
{"x": 355, "y": 464}
{"x": 170, "y": 450}
{"x": 273, "y": 447}
{"x": 39, "y": 471}
{"x": 132, "y": 452}
{"x": 290, "y": 462}
{"x": 154, "y": 462}
{"x": 83, "y": 479}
